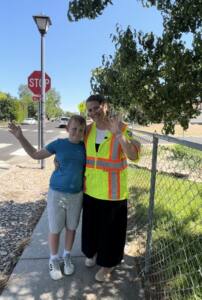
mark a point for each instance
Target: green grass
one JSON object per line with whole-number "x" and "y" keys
{"x": 177, "y": 229}
{"x": 190, "y": 158}
{"x": 183, "y": 152}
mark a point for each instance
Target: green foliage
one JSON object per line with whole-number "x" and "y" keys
{"x": 185, "y": 153}
{"x": 52, "y": 103}
{"x": 24, "y": 92}
{"x": 30, "y": 107}
{"x": 154, "y": 79}
{"x": 11, "y": 108}
{"x": 179, "y": 15}
{"x": 53, "y": 109}
{"x": 7, "y": 107}
{"x": 3, "y": 96}
{"x": 18, "y": 109}
{"x": 21, "y": 111}
{"x": 86, "y": 9}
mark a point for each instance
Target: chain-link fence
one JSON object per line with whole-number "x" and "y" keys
{"x": 166, "y": 216}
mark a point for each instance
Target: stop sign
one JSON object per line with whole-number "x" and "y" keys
{"x": 36, "y": 98}
{"x": 34, "y": 82}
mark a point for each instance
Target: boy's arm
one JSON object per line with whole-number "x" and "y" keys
{"x": 31, "y": 151}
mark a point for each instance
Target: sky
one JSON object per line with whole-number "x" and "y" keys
{"x": 72, "y": 49}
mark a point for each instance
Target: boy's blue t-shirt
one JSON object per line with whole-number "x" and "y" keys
{"x": 68, "y": 177}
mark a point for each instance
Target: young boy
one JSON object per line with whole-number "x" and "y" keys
{"x": 64, "y": 202}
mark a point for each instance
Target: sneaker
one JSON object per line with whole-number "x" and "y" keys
{"x": 68, "y": 265}
{"x": 90, "y": 262}
{"x": 103, "y": 274}
{"x": 54, "y": 269}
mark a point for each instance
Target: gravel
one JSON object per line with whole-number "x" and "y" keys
{"x": 22, "y": 201}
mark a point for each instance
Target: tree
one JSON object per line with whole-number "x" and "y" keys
{"x": 154, "y": 79}
{"x": 52, "y": 104}
{"x": 179, "y": 15}
{"x": 25, "y": 95}
{"x": 7, "y": 107}
{"x": 153, "y": 84}
{"x": 86, "y": 9}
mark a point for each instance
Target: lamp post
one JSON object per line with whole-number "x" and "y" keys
{"x": 43, "y": 23}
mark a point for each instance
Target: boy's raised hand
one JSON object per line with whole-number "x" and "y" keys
{"x": 15, "y": 130}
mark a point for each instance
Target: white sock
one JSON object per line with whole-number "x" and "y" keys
{"x": 55, "y": 256}
{"x": 66, "y": 252}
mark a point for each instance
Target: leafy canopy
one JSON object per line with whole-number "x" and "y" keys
{"x": 79, "y": 9}
{"x": 153, "y": 79}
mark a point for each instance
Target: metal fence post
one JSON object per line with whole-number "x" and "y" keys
{"x": 151, "y": 205}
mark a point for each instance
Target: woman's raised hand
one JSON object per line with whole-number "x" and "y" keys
{"x": 115, "y": 124}
{"x": 15, "y": 130}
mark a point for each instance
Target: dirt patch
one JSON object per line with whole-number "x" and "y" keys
{"x": 22, "y": 201}
{"x": 193, "y": 130}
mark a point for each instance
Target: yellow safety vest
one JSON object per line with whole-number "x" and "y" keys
{"x": 106, "y": 170}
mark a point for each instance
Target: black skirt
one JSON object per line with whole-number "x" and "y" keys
{"x": 104, "y": 227}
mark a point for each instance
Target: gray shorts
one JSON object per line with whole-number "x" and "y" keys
{"x": 63, "y": 210}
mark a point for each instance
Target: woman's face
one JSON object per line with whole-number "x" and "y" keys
{"x": 96, "y": 111}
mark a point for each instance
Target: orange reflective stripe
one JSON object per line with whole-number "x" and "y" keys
{"x": 110, "y": 185}
{"x": 107, "y": 169}
{"x": 90, "y": 166}
{"x": 105, "y": 159}
{"x": 106, "y": 165}
{"x": 123, "y": 128}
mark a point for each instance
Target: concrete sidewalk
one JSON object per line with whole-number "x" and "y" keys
{"x": 30, "y": 279}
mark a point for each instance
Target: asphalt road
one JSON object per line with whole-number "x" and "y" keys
{"x": 12, "y": 152}
{"x": 10, "y": 147}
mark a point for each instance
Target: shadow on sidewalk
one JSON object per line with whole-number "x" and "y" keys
{"x": 30, "y": 279}
{"x": 33, "y": 282}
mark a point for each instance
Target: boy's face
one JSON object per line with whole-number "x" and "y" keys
{"x": 76, "y": 131}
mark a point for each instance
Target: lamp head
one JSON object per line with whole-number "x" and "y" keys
{"x": 43, "y": 23}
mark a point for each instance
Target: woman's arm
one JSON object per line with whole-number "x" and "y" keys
{"x": 130, "y": 147}
{"x": 31, "y": 151}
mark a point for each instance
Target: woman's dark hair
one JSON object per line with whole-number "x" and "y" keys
{"x": 96, "y": 97}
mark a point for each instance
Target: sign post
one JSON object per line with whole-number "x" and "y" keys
{"x": 39, "y": 86}
{"x": 43, "y": 22}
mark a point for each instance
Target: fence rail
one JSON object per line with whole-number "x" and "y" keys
{"x": 166, "y": 204}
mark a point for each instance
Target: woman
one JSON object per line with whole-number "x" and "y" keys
{"x": 108, "y": 145}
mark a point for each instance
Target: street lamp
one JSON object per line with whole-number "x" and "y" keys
{"x": 43, "y": 23}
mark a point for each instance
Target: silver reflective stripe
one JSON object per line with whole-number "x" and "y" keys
{"x": 107, "y": 165}
{"x": 115, "y": 149}
{"x": 114, "y": 185}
